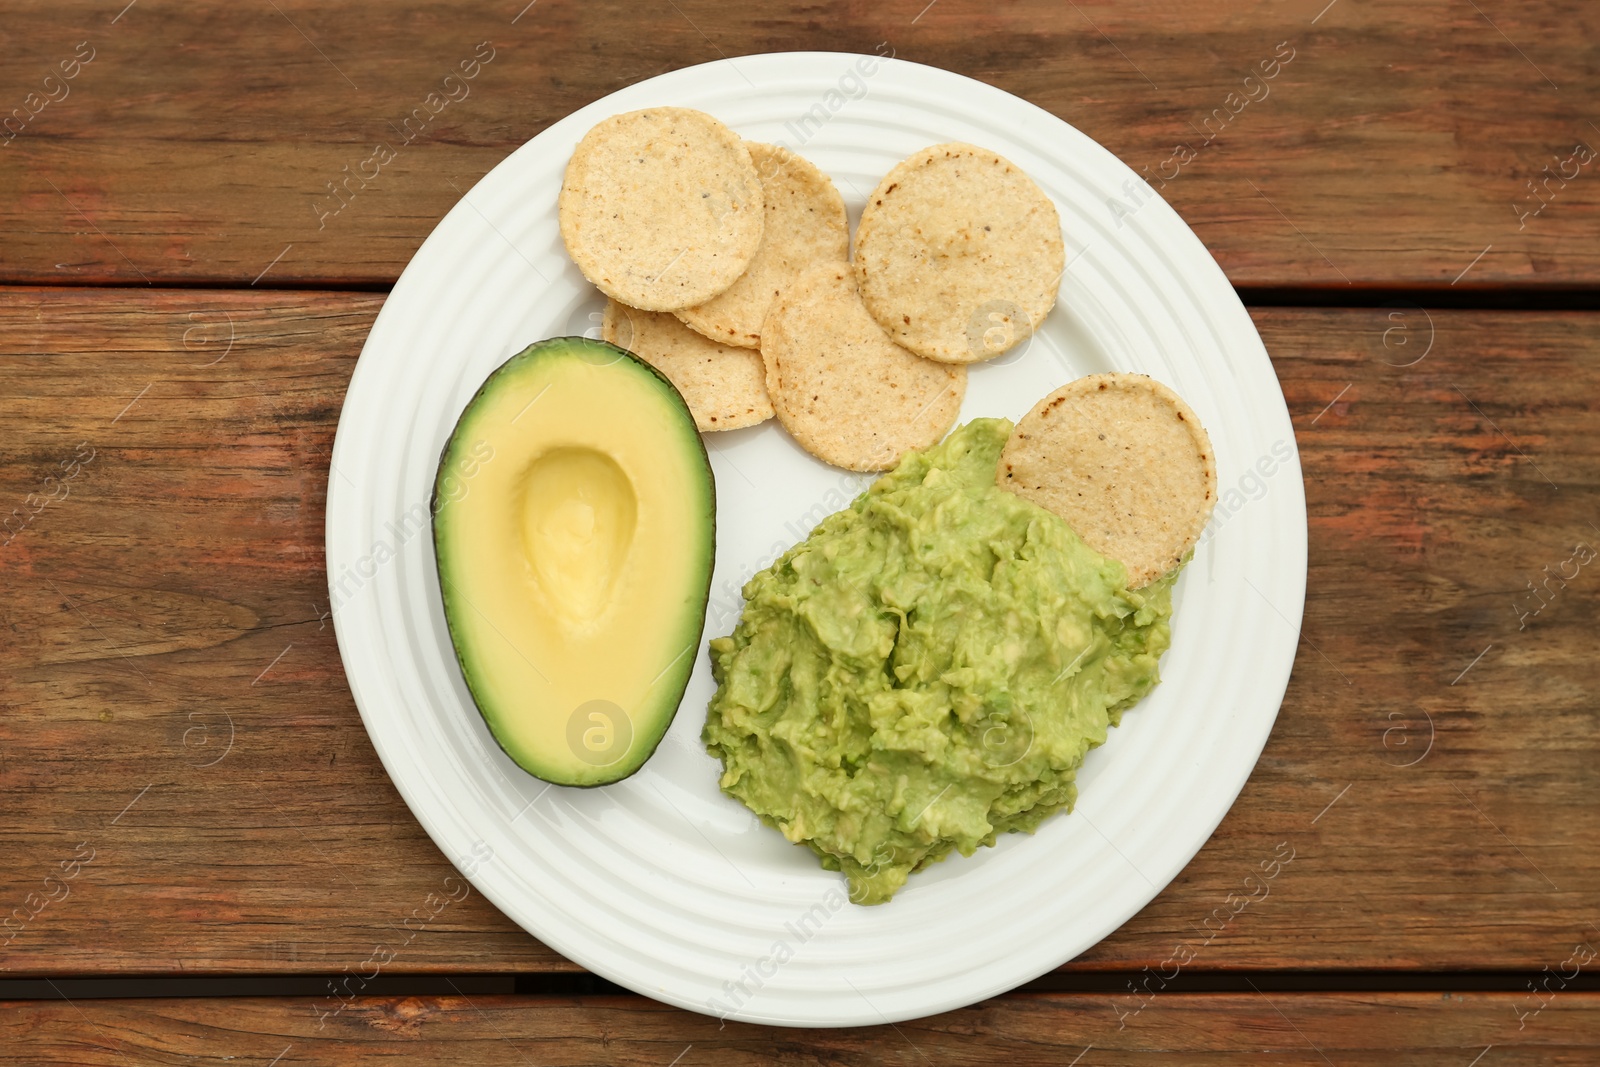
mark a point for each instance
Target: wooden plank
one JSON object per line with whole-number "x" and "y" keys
{"x": 1282, "y": 1029}
{"x": 1392, "y": 145}
{"x": 1429, "y": 785}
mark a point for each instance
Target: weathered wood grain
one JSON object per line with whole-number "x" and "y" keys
{"x": 180, "y": 583}
{"x": 167, "y": 652}
{"x": 1285, "y": 1030}
{"x": 1393, "y": 146}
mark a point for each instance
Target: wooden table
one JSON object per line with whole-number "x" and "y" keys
{"x": 1412, "y": 213}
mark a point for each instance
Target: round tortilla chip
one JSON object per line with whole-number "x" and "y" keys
{"x": 725, "y": 387}
{"x": 844, "y": 391}
{"x": 959, "y": 254}
{"x": 661, "y": 208}
{"x": 806, "y": 225}
{"x": 1125, "y": 462}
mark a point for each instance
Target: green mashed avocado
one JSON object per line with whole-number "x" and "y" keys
{"x": 927, "y": 669}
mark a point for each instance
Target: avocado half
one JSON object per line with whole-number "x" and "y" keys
{"x": 574, "y": 526}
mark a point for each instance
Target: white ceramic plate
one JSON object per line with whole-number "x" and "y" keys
{"x": 662, "y": 884}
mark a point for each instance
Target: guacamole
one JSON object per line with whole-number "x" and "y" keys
{"x": 927, "y": 669}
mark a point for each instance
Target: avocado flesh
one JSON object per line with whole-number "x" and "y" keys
{"x": 574, "y": 529}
